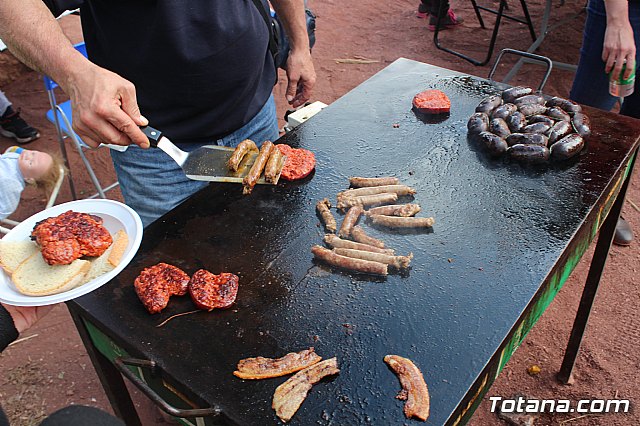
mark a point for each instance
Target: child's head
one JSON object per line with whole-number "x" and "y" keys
{"x": 40, "y": 169}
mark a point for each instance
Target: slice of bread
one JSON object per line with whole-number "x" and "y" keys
{"x": 110, "y": 258}
{"x": 13, "y": 253}
{"x": 35, "y": 277}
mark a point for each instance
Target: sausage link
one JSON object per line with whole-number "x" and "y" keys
{"x": 337, "y": 242}
{"x": 350, "y": 220}
{"x": 372, "y": 190}
{"x": 367, "y": 200}
{"x": 512, "y": 93}
{"x": 344, "y": 262}
{"x": 359, "y": 236}
{"x": 252, "y": 177}
{"x": 395, "y": 210}
{"x": 398, "y": 262}
{"x": 478, "y": 122}
{"x": 402, "y": 222}
{"x": 241, "y": 150}
{"x": 329, "y": 221}
{"x": 274, "y": 166}
{"x": 359, "y": 182}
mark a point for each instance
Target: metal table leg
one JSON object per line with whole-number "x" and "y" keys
{"x": 600, "y": 255}
{"x": 109, "y": 376}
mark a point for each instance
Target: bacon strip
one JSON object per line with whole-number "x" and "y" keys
{"x": 344, "y": 262}
{"x": 241, "y": 150}
{"x": 367, "y": 200}
{"x": 373, "y": 190}
{"x": 359, "y": 182}
{"x": 414, "y": 389}
{"x": 350, "y": 220}
{"x": 398, "y": 262}
{"x": 402, "y": 222}
{"x": 404, "y": 210}
{"x": 266, "y": 368}
{"x": 323, "y": 207}
{"x": 358, "y": 235}
{"x": 291, "y": 394}
{"x": 252, "y": 177}
{"x": 274, "y": 166}
{"x": 335, "y": 241}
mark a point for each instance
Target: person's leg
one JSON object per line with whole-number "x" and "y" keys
{"x": 4, "y": 103}
{"x": 591, "y": 83}
{"x": 448, "y": 18}
{"x": 423, "y": 9}
{"x": 80, "y": 415}
{"x": 152, "y": 183}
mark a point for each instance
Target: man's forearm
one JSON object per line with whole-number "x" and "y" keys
{"x": 292, "y": 15}
{"x": 33, "y": 35}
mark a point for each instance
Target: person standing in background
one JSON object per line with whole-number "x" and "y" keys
{"x": 12, "y": 125}
{"x": 611, "y": 34}
{"x": 430, "y": 8}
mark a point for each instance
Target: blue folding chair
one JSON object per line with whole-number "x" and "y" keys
{"x": 61, "y": 117}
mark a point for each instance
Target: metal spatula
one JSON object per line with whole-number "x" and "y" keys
{"x": 208, "y": 162}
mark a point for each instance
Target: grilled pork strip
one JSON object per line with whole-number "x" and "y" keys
{"x": 291, "y": 394}
{"x": 398, "y": 262}
{"x": 323, "y": 207}
{"x": 404, "y": 210}
{"x": 344, "y": 262}
{"x": 414, "y": 389}
{"x": 257, "y": 168}
{"x": 359, "y": 182}
{"x": 350, "y": 220}
{"x": 266, "y": 368}
{"x": 358, "y": 235}
{"x": 402, "y": 222}
{"x": 367, "y": 200}
{"x": 238, "y": 154}
{"x": 335, "y": 242}
{"x": 373, "y": 190}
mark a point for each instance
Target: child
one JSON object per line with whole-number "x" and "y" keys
{"x": 20, "y": 167}
{"x": 429, "y": 9}
{"x": 14, "y": 126}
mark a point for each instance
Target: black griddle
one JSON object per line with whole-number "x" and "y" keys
{"x": 501, "y": 230}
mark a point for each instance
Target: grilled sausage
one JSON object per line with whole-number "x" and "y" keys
{"x": 516, "y": 121}
{"x": 241, "y": 150}
{"x": 478, "y": 122}
{"x": 532, "y": 109}
{"x": 367, "y": 200}
{"x": 252, "y": 177}
{"x": 529, "y": 99}
{"x": 274, "y": 166}
{"x": 567, "y": 105}
{"x": 350, "y": 220}
{"x": 372, "y": 190}
{"x": 541, "y": 119}
{"x": 499, "y": 127}
{"x": 511, "y": 94}
{"x": 567, "y": 147}
{"x": 336, "y": 242}
{"x": 536, "y": 128}
{"x": 558, "y": 131}
{"x": 359, "y": 236}
{"x": 344, "y": 262}
{"x": 527, "y": 139}
{"x": 494, "y": 143}
{"x": 488, "y": 104}
{"x": 503, "y": 111}
{"x": 395, "y": 210}
{"x": 529, "y": 153}
{"x": 323, "y": 207}
{"x": 398, "y": 262}
{"x": 558, "y": 113}
{"x": 581, "y": 124}
{"x": 359, "y": 182}
{"x": 402, "y": 222}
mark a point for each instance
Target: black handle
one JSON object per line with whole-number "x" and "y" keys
{"x": 533, "y": 56}
{"x": 152, "y": 134}
{"x": 121, "y": 363}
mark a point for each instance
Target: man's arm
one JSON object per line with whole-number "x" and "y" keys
{"x": 300, "y": 70}
{"x": 105, "y": 108}
{"x": 619, "y": 45}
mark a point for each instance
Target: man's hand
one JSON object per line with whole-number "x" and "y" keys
{"x": 302, "y": 77}
{"x": 619, "y": 45}
{"x": 105, "y": 108}
{"x": 26, "y": 316}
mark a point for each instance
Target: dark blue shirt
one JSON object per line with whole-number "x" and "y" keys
{"x": 202, "y": 68}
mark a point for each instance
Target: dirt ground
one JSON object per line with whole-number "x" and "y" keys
{"x": 50, "y": 369}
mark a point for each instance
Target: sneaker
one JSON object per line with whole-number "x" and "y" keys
{"x": 13, "y": 126}
{"x": 423, "y": 12}
{"x": 449, "y": 20}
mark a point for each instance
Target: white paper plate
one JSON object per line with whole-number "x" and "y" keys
{"x": 115, "y": 215}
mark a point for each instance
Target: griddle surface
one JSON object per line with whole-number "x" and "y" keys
{"x": 500, "y": 228}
